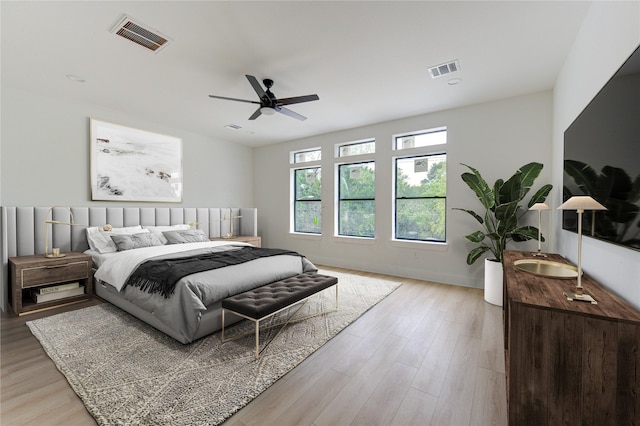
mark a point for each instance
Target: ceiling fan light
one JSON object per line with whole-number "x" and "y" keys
{"x": 267, "y": 110}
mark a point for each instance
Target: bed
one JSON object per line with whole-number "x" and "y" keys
{"x": 192, "y": 310}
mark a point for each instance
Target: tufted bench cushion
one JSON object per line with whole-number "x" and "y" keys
{"x": 268, "y": 299}
{"x": 263, "y": 302}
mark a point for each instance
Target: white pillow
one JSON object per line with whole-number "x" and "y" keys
{"x": 160, "y": 229}
{"x": 101, "y": 241}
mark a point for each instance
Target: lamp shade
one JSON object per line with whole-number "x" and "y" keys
{"x": 267, "y": 110}
{"x": 581, "y": 203}
{"x": 539, "y": 206}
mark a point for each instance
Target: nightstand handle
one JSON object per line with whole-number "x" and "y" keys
{"x": 56, "y": 266}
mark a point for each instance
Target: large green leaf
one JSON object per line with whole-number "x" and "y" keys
{"x": 479, "y": 186}
{"x": 540, "y": 196}
{"x": 506, "y": 211}
{"x": 475, "y": 237}
{"x": 497, "y": 186}
{"x": 530, "y": 173}
{"x": 525, "y": 233}
{"x": 476, "y": 253}
{"x": 511, "y": 189}
{"x": 472, "y": 213}
{"x": 506, "y": 226}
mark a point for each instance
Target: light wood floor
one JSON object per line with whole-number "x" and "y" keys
{"x": 428, "y": 354}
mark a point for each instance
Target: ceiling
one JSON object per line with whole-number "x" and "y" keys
{"x": 367, "y": 61}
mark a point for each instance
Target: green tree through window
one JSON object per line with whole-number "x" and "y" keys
{"x": 308, "y": 200}
{"x": 356, "y": 205}
{"x": 421, "y": 189}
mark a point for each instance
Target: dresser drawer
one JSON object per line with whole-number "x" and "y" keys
{"x": 54, "y": 273}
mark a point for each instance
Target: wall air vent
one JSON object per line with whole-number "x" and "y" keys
{"x": 444, "y": 69}
{"x": 141, "y": 34}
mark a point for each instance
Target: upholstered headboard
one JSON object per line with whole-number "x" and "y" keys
{"x": 23, "y": 228}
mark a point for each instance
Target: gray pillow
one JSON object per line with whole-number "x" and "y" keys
{"x": 185, "y": 236}
{"x": 134, "y": 241}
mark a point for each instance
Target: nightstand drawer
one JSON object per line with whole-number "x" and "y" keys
{"x": 54, "y": 273}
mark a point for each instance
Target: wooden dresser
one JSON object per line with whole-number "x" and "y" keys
{"x": 567, "y": 362}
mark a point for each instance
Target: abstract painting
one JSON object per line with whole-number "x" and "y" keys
{"x": 134, "y": 165}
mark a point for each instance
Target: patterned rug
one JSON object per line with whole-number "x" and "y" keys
{"x": 127, "y": 372}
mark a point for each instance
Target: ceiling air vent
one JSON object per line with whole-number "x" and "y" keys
{"x": 141, "y": 34}
{"x": 444, "y": 69}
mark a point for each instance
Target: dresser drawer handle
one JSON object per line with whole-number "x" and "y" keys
{"x": 56, "y": 266}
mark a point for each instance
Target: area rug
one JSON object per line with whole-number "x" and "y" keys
{"x": 128, "y": 373}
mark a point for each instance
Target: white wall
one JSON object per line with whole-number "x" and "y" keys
{"x": 45, "y": 156}
{"x": 496, "y": 138}
{"x": 609, "y": 34}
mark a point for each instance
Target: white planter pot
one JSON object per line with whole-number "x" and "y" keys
{"x": 493, "y": 282}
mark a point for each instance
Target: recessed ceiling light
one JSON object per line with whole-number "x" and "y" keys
{"x": 75, "y": 78}
{"x": 454, "y": 81}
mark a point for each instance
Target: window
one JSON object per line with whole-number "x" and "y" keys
{"x": 418, "y": 140}
{"x": 356, "y": 199}
{"x": 357, "y": 148}
{"x": 307, "y": 209}
{"x": 306, "y": 156}
{"x": 420, "y": 203}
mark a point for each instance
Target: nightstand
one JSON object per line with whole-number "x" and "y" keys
{"x": 256, "y": 241}
{"x": 32, "y": 273}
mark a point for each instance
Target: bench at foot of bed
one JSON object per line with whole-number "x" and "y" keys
{"x": 263, "y": 302}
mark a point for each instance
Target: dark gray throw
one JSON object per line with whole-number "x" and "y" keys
{"x": 161, "y": 276}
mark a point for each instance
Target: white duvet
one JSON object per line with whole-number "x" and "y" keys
{"x": 116, "y": 267}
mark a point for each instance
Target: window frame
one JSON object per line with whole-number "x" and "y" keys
{"x": 441, "y": 129}
{"x": 339, "y": 199}
{"x": 295, "y": 200}
{"x": 294, "y": 154}
{"x": 416, "y": 152}
{"x": 341, "y": 145}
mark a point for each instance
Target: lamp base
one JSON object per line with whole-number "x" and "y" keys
{"x": 539, "y": 254}
{"x": 579, "y": 297}
{"x": 54, "y": 256}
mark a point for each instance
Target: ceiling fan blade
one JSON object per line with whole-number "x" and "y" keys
{"x": 297, "y": 99}
{"x": 256, "y": 114}
{"x": 256, "y": 86}
{"x": 234, "y": 99}
{"x": 287, "y": 111}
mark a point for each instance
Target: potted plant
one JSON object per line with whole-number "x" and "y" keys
{"x": 499, "y": 221}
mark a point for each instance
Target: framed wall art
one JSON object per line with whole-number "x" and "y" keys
{"x": 129, "y": 164}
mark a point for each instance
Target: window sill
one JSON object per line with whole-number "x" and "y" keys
{"x": 354, "y": 240}
{"x": 428, "y": 245}
{"x": 305, "y": 236}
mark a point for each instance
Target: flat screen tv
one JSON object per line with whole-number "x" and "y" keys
{"x": 602, "y": 159}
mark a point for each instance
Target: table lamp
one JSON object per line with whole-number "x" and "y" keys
{"x": 580, "y": 204}
{"x": 539, "y": 207}
{"x": 47, "y": 222}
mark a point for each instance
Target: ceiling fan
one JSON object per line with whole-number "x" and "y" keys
{"x": 269, "y": 104}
